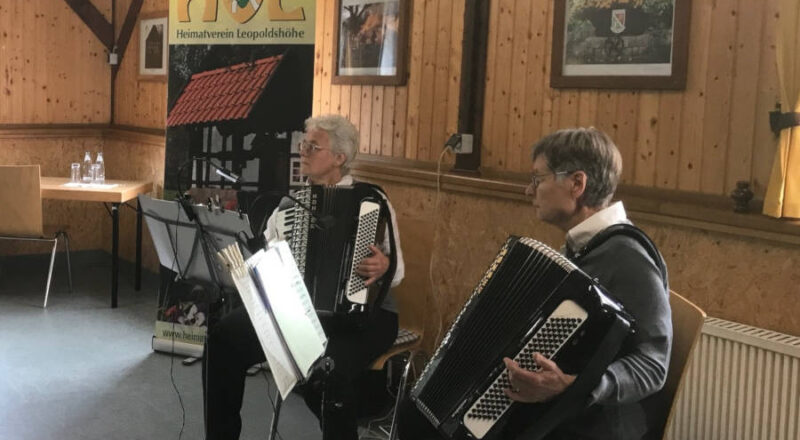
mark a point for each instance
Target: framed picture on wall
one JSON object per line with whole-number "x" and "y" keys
{"x": 621, "y": 44}
{"x": 370, "y": 40}
{"x": 153, "y": 48}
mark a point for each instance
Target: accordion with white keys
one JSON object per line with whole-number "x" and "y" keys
{"x": 329, "y": 236}
{"x": 532, "y": 299}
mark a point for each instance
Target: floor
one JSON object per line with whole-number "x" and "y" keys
{"x": 81, "y": 370}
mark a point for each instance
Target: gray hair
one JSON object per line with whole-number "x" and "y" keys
{"x": 342, "y": 134}
{"x": 584, "y": 149}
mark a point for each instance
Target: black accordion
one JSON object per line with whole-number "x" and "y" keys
{"x": 532, "y": 299}
{"x": 328, "y": 236}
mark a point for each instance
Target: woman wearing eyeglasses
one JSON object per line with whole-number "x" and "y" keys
{"x": 329, "y": 146}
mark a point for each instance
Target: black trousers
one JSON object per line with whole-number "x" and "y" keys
{"x": 232, "y": 347}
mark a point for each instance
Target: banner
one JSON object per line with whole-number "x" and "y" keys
{"x": 242, "y": 22}
{"x": 240, "y": 83}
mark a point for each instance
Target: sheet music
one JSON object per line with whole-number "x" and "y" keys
{"x": 291, "y": 306}
{"x": 280, "y": 310}
{"x": 265, "y": 327}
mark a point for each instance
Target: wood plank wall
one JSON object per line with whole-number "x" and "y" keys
{"x": 53, "y": 67}
{"x": 702, "y": 139}
{"x": 139, "y": 103}
{"x": 411, "y": 121}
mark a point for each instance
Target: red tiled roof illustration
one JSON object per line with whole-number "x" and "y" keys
{"x": 227, "y": 93}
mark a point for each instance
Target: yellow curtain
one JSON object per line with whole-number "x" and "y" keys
{"x": 783, "y": 191}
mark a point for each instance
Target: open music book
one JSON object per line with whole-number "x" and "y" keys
{"x": 281, "y": 311}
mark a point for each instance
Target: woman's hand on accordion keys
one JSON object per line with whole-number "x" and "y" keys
{"x": 536, "y": 386}
{"x": 373, "y": 267}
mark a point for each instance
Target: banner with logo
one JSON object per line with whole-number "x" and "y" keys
{"x": 240, "y": 85}
{"x": 242, "y": 22}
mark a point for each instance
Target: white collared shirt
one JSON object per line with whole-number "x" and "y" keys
{"x": 579, "y": 236}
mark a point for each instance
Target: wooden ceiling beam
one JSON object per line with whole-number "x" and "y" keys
{"x": 95, "y": 20}
{"x": 126, "y": 32}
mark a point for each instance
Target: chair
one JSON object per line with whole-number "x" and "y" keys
{"x": 411, "y": 297}
{"x": 687, "y": 321}
{"x": 21, "y": 199}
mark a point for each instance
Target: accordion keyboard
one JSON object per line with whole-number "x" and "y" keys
{"x": 365, "y": 236}
{"x": 294, "y": 225}
{"x": 548, "y": 340}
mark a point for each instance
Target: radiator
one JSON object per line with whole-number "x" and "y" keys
{"x": 742, "y": 383}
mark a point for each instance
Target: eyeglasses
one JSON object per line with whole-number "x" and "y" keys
{"x": 537, "y": 179}
{"x": 306, "y": 148}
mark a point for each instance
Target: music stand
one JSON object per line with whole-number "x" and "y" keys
{"x": 188, "y": 247}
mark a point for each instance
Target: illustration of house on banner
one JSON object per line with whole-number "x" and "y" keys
{"x": 244, "y": 117}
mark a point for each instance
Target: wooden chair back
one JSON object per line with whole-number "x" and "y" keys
{"x": 687, "y": 322}
{"x": 21, "y": 199}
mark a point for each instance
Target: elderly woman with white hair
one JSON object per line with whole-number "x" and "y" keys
{"x": 329, "y": 146}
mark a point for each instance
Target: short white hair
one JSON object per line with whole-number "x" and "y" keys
{"x": 342, "y": 133}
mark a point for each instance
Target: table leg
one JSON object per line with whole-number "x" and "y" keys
{"x": 138, "y": 281}
{"x": 114, "y": 253}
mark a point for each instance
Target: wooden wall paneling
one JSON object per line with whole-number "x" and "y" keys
{"x": 414, "y": 79}
{"x": 441, "y": 87}
{"x": 744, "y": 95}
{"x": 502, "y": 85}
{"x": 319, "y": 61}
{"x": 376, "y": 120}
{"x": 428, "y": 89}
{"x": 26, "y": 71}
{"x": 327, "y": 56}
{"x": 549, "y": 93}
{"x": 692, "y": 123}
{"x": 626, "y": 138}
{"x": 606, "y": 114}
{"x": 344, "y": 100}
{"x": 764, "y": 142}
{"x": 587, "y": 107}
{"x": 366, "y": 119}
{"x": 535, "y": 80}
{"x": 647, "y": 138}
{"x": 336, "y": 103}
{"x": 355, "y": 106}
{"x": 399, "y": 146}
{"x": 387, "y": 126}
{"x": 568, "y": 109}
{"x": 454, "y": 67}
{"x": 6, "y": 39}
{"x": 669, "y": 136}
{"x": 719, "y": 78}
{"x": 39, "y": 63}
{"x": 517, "y": 87}
{"x": 487, "y": 148}
{"x": 15, "y": 66}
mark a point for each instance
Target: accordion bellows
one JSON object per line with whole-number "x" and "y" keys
{"x": 531, "y": 299}
{"x": 327, "y": 255}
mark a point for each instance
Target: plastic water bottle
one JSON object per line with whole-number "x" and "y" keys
{"x": 86, "y": 168}
{"x": 101, "y": 169}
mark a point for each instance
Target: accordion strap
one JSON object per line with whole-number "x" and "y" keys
{"x": 386, "y": 280}
{"x": 631, "y": 231}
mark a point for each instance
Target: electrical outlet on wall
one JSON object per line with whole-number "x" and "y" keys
{"x": 465, "y": 147}
{"x": 461, "y": 143}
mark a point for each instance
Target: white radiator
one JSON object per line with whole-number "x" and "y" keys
{"x": 743, "y": 383}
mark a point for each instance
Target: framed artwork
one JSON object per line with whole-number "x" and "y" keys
{"x": 153, "y": 48}
{"x": 370, "y": 38}
{"x": 620, "y": 44}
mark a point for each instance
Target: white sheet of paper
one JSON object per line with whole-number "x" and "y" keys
{"x": 264, "y": 325}
{"x": 291, "y": 306}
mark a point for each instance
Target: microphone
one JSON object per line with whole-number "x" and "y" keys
{"x": 321, "y": 222}
{"x": 225, "y": 173}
